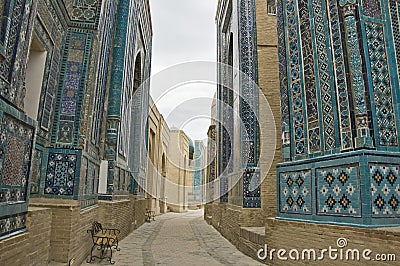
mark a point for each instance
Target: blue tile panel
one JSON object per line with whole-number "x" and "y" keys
{"x": 251, "y": 189}
{"x": 385, "y": 190}
{"x": 74, "y": 72}
{"x": 83, "y": 14}
{"x": 16, "y": 142}
{"x": 296, "y": 192}
{"x": 360, "y": 188}
{"x": 62, "y": 173}
{"x": 12, "y": 223}
{"x": 339, "y": 77}
{"x": 338, "y": 191}
{"x": 337, "y": 92}
{"x": 248, "y": 104}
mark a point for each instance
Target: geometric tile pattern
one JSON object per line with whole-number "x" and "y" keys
{"x": 394, "y": 12}
{"x": 295, "y": 79}
{"x": 385, "y": 190}
{"x": 83, "y": 13}
{"x": 15, "y": 19}
{"x": 248, "y": 108}
{"x": 11, "y": 224}
{"x": 36, "y": 171}
{"x": 104, "y": 62}
{"x": 324, "y": 63}
{"x": 284, "y": 94}
{"x": 385, "y": 116}
{"x": 15, "y": 157}
{"x": 295, "y": 192}
{"x": 340, "y": 77}
{"x": 74, "y": 72}
{"x": 251, "y": 189}
{"x": 60, "y": 174}
{"x": 372, "y": 8}
{"x": 4, "y": 23}
{"x": 338, "y": 191}
{"x": 314, "y": 138}
{"x": 355, "y": 64}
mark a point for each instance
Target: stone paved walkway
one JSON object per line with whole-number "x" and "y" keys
{"x": 177, "y": 239}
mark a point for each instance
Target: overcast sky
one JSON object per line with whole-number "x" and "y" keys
{"x": 183, "y": 31}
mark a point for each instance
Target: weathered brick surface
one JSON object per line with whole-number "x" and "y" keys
{"x": 32, "y": 247}
{"x": 125, "y": 215}
{"x": 297, "y": 235}
{"x": 139, "y": 209}
{"x": 116, "y": 214}
{"x": 69, "y": 239}
{"x": 39, "y": 228}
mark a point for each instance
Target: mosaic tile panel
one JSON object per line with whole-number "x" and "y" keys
{"x": 12, "y": 224}
{"x": 385, "y": 115}
{"x": 324, "y": 62}
{"x": 248, "y": 65}
{"x": 283, "y": 86}
{"x": 83, "y": 13}
{"x": 249, "y": 102}
{"x": 251, "y": 189}
{"x": 36, "y": 171}
{"x": 104, "y": 63}
{"x": 385, "y": 190}
{"x": 338, "y": 191}
{"x": 340, "y": 76}
{"x": 372, "y": 8}
{"x": 14, "y": 51}
{"x": 355, "y": 63}
{"x": 295, "y": 79}
{"x": 5, "y": 9}
{"x": 394, "y": 13}
{"x": 115, "y": 100}
{"x": 61, "y": 174}
{"x": 15, "y": 158}
{"x": 295, "y": 192}
{"x": 314, "y": 139}
{"x": 224, "y": 185}
{"x": 74, "y": 76}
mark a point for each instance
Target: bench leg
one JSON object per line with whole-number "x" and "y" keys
{"x": 116, "y": 245}
{"x": 91, "y": 258}
{"x": 111, "y": 253}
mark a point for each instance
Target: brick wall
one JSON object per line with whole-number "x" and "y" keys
{"x": 69, "y": 239}
{"x": 81, "y": 241}
{"x": 139, "y": 209}
{"x": 57, "y": 230}
{"x": 31, "y": 248}
{"x": 229, "y": 224}
{"x": 125, "y": 215}
{"x": 39, "y": 227}
{"x": 117, "y": 214}
{"x": 297, "y": 235}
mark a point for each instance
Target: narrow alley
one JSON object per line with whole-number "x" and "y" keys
{"x": 177, "y": 239}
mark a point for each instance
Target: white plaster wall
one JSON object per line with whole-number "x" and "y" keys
{"x": 34, "y": 79}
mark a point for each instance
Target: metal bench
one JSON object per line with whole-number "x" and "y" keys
{"x": 104, "y": 240}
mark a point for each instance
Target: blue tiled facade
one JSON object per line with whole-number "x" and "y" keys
{"x": 339, "y": 109}
{"x": 236, "y": 26}
{"x": 57, "y": 154}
